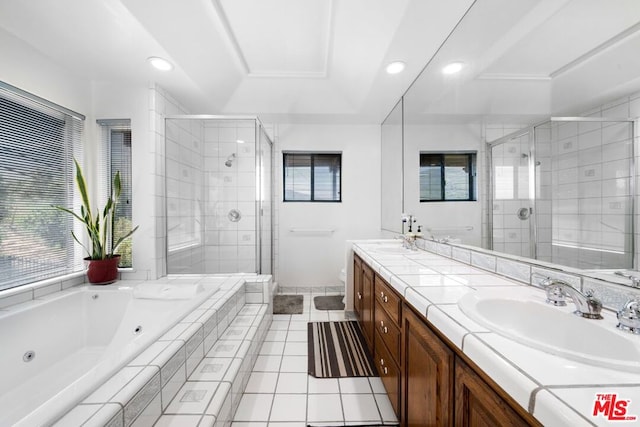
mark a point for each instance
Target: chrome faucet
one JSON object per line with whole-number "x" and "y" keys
{"x": 635, "y": 280}
{"x": 409, "y": 238}
{"x": 629, "y": 316}
{"x": 558, "y": 290}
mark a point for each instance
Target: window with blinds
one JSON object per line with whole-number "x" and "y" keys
{"x": 447, "y": 177}
{"x": 312, "y": 177}
{"x": 38, "y": 141}
{"x": 116, "y": 157}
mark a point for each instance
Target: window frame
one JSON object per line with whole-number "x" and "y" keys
{"x": 312, "y": 157}
{"x": 68, "y": 255}
{"x": 472, "y": 156}
{"x": 107, "y": 172}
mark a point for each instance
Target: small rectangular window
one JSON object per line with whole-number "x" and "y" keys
{"x": 312, "y": 177}
{"x": 116, "y": 156}
{"x": 447, "y": 177}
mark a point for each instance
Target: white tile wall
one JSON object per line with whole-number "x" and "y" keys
{"x": 583, "y": 178}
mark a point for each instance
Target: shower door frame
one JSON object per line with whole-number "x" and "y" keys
{"x": 258, "y": 215}
{"x": 531, "y": 131}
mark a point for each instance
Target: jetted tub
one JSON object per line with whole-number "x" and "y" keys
{"x": 55, "y": 352}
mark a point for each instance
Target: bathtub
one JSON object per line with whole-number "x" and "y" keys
{"x": 55, "y": 352}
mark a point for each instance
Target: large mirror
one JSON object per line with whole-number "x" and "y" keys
{"x": 536, "y": 116}
{"x": 391, "y": 172}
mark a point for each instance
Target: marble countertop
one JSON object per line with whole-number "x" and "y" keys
{"x": 556, "y": 390}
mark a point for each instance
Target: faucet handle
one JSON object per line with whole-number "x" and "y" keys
{"x": 629, "y": 316}
{"x": 556, "y": 295}
{"x": 594, "y": 305}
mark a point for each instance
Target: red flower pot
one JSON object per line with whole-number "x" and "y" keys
{"x": 102, "y": 271}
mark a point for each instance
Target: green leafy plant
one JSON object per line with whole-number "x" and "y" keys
{"x": 99, "y": 226}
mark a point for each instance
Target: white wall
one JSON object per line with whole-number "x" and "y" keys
{"x": 443, "y": 215}
{"x": 29, "y": 70}
{"x": 120, "y": 101}
{"x": 316, "y": 260}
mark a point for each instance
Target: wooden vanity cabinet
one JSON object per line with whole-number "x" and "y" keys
{"x": 357, "y": 286}
{"x": 428, "y": 380}
{"x": 387, "y": 345}
{"x": 478, "y": 405}
{"x": 363, "y": 297}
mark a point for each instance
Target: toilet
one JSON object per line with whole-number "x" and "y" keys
{"x": 343, "y": 276}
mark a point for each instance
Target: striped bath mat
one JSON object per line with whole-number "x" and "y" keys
{"x": 338, "y": 349}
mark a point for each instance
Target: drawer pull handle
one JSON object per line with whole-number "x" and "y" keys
{"x": 384, "y": 369}
{"x": 382, "y": 323}
{"x": 381, "y": 362}
{"x": 385, "y": 330}
{"x": 359, "y": 295}
{"x": 381, "y": 294}
{"x": 385, "y": 299}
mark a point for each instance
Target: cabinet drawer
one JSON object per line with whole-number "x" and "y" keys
{"x": 388, "y": 299}
{"x": 389, "y": 373}
{"x": 388, "y": 331}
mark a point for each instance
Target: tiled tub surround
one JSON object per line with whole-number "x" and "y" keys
{"x": 177, "y": 340}
{"x": 555, "y": 390}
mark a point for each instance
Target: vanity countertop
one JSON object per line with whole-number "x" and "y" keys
{"x": 556, "y": 390}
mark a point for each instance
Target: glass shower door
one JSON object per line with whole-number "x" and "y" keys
{"x": 265, "y": 202}
{"x": 511, "y": 202}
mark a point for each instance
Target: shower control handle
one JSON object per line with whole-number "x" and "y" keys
{"x": 524, "y": 213}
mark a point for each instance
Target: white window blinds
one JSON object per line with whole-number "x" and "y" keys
{"x": 116, "y": 157}
{"x": 37, "y": 143}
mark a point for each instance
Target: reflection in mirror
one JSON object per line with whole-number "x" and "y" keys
{"x": 573, "y": 204}
{"x": 391, "y": 174}
{"x": 580, "y": 170}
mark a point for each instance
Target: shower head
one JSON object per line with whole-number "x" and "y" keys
{"x": 230, "y": 160}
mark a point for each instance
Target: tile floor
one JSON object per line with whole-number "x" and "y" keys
{"x": 280, "y": 393}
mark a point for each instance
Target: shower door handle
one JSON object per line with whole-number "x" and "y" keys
{"x": 524, "y": 213}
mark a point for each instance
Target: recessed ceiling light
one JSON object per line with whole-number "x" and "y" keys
{"x": 240, "y": 141}
{"x": 160, "y": 63}
{"x": 452, "y": 68}
{"x": 395, "y": 67}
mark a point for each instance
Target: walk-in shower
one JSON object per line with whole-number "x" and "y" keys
{"x": 218, "y": 195}
{"x": 562, "y": 191}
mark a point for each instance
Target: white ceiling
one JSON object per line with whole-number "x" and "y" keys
{"x": 323, "y": 60}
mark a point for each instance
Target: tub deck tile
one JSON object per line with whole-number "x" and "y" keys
{"x": 214, "y": 349}
{"x": 139, "y": 393}
{"x": 113, "y": 385}
{"x": 152, "y": 352}
{"x": 171, "y": 360}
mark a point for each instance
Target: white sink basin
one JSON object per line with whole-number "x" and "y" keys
{"x": 522, "y": 315}
{"x": 391, "y": 247}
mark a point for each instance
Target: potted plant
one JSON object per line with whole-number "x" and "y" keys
{"x": 102, "y": 261}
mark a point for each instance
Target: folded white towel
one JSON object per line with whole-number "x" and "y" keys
{"x": 166, "y": 291}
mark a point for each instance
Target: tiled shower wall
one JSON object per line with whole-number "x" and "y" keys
{"x": 219, "y": 254}
{"x": 203, "y": 191}
{"x": 588, "y": 187}
{"x": 229, "y": 247}
{"x": 583, "y": 174}
{"x": 491, "y": 132}
{"x": 510, "y": 162}
{"x": 161, "y": 104}
{"x": 184, "y": 194}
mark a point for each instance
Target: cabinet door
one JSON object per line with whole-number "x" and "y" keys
{"x": 367, "y": 304}
{"x": 477, "y": 405}
{"x": 357, "y": 286}
{"x": 389, "y": 373}
{"x": 428, "y": 375}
